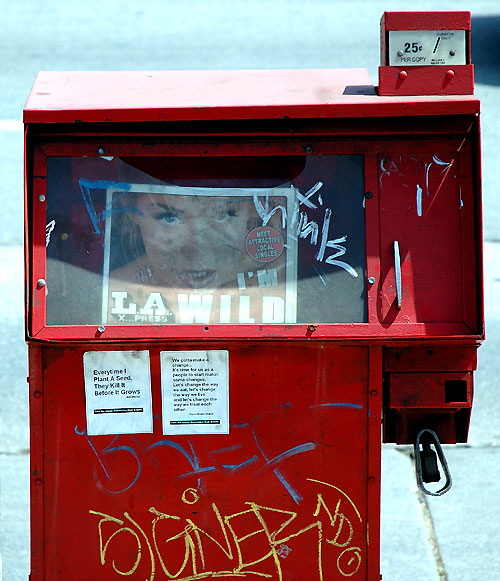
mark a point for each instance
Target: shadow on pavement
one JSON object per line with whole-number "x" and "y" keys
{"x": 486, "y": 49}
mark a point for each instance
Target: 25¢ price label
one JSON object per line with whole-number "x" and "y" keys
{"x": 427, "y": 47}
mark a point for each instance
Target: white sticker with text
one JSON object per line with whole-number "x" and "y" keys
{"x": 195, "y": 392}
{"x": 118, "y": 392}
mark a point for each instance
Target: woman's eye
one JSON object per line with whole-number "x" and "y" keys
{"x": 226, "y": 214}
{"x": 168, "y": 218}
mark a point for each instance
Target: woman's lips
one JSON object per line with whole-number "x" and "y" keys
{"x": 197, "y": 278}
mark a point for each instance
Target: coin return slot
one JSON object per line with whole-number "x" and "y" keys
{"x": 455, "y": 391}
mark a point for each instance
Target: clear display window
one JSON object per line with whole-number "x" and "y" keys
{"x": 205, "y": 240}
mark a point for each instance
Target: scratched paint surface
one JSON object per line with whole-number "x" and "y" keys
{"x": 426, "y": 206}
{"x": 282, "y": 496}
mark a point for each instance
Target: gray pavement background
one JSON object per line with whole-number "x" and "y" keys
{"x": 451, "y": 538}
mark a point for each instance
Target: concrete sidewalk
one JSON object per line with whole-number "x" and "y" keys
{"x": 449, "y": 538}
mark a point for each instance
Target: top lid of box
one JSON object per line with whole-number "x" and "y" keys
{"x": 155, "y": 96}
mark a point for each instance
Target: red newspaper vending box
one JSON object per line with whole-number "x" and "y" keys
{"x": 233, "y": 279}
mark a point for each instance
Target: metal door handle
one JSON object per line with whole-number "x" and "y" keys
{"x": 426, "y": 438}
{"x": 397, "y": 271}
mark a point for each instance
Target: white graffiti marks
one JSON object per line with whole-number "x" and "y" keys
{"x": 409, "y": 171}
{"x": 302, "y": 227}
{"x": 49, "y": 228}
{"x": 258, "y": 540}
{"x": 319, "y": 237}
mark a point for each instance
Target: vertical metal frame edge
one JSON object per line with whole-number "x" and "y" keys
{"x": 36, "y": 475}
{"x": 472, "y": 234}
{"x": 27, "y": 170}
{"x": 372, "y": 237}
{"x": 477, "y": 185}
{"x": 471, "y": 230}
{"x": 35, "y": 224}
{"x": 374, "y": 459}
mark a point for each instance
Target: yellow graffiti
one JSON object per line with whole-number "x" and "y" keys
{"x": 104, "y": 547}
{"x": 237, "y": 538}
{"x": 198, "y": 532}
{"x": 353, "y": 561}
{"x": 341, "y": 492}
{"x": 270, "y": 537}
{"x": 193, "y": 496}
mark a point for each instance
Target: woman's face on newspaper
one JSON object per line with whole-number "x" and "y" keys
{"x": 193, "y": 242}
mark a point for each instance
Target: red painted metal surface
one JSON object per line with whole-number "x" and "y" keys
{"x": 71, "y": 97}
{"x": 293, "y": 490}
{"x": 431, "y": 384}
{"x": 436, "y": 80}
{"x": 438, "y": 272}
{"x": 289, "y": 493}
